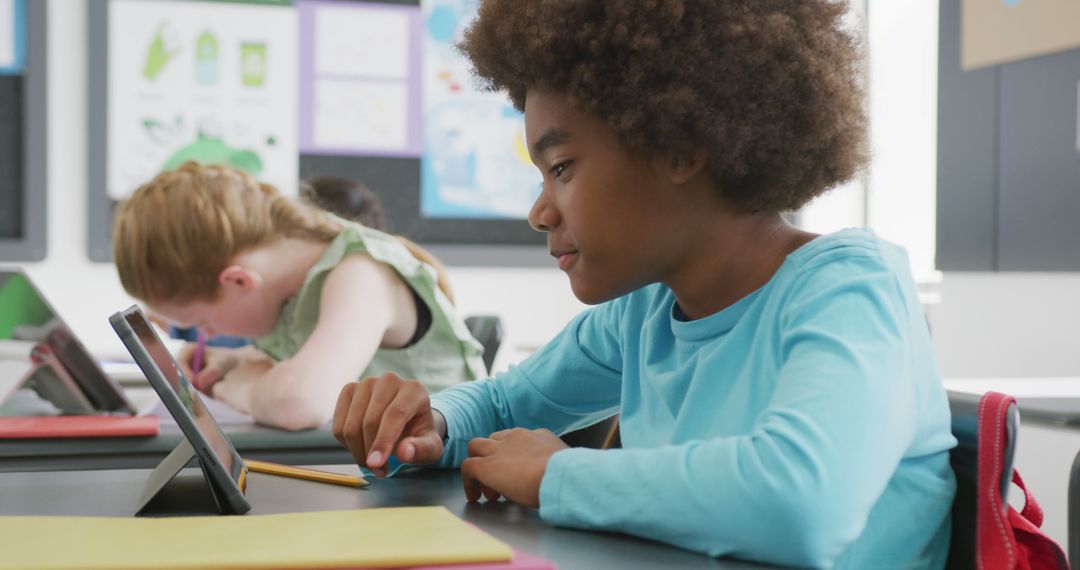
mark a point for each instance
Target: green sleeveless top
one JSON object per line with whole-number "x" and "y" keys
{"x": 445, "y": 355}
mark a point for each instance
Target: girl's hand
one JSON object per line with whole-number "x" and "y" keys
{"x": 511, "y": 463}
{"x": 217, "y": 362}
{"x": 235, "y": 389}
{"x": 379, "y": 417}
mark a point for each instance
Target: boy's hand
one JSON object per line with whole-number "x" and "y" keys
{"x": 511, "y": 463}
{"x": 379, "y": 417}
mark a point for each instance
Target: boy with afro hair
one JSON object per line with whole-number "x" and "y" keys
{"x": 778, "y": 392}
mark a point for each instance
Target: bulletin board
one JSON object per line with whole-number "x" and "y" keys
{"x": 22, "y": 131}
{"x": 172, "y": 81}
{"x": 381, "y": 97}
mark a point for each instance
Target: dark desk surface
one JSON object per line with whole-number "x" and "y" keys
{"x": 309, "y": 447}
{"x": 1048, "y": 401}
{"x": 116, "y": 492}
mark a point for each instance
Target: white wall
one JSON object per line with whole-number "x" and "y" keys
{"x": 902, "y": 67}
{"x": 1008, "y": 324}
{"x": 534, "y": 303}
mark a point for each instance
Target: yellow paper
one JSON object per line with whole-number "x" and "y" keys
{"x": 380, "y": 538}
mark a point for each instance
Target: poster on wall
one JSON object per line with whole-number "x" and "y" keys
{"x": 999, "y": 31}
{"x": 12, "y": 36}
{"x": 475, "y": 162}
{"x": 359, "y": 79}
{"x": 205, "y": 81}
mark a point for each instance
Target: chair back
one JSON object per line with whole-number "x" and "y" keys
{"x": 604, "y": 434}
{"x": 488, "y": 330}
{"x": 965, "y": 463}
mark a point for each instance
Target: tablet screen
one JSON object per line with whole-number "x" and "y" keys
{"x": 187, "y": 393}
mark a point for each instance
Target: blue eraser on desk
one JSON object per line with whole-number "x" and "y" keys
{"x": 393, "y": 465}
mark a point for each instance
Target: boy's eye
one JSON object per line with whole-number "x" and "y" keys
{"x": 558, "y": 169}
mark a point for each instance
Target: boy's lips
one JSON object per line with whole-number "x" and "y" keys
{"x": 565, "y": 257}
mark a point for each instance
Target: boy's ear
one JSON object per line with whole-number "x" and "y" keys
{"x": 240, "y": 277}
{"x": 682, "y": 166}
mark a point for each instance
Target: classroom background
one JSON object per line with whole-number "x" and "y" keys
{"x": 991, "y": 235}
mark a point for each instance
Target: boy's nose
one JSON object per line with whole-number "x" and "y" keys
{"x": 543, "y": 216}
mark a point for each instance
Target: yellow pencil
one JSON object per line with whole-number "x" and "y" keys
{"x": 305, "y": 473}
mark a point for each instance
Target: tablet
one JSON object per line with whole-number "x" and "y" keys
{"x": 221, "y": 464}
{"x": 25, "y": 315}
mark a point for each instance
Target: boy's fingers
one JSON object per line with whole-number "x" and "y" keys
{"x": 469, "y": 479}
{"x": 398, "y": 413}
{"x": 490, "y": 494}
{"x": 382, "y": 394}
{"x": 406, "y": 450}
{"x": 352, "y": 427}
{"x": 420, "y": 450}
{"x": 419, "y": 442}
{"x": 341, "y": 410}
{"x": 482, "y": 447}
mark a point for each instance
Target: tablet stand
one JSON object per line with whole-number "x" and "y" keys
{"x": 166, "y": 493}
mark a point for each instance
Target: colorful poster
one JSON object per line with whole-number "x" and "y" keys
{"x": 359, "y": 79}
{"x": 999, "y": 31}
{"x": 12, "y": 36}
{"x": 475, "y": 163}
{"x": 213, "y": 82}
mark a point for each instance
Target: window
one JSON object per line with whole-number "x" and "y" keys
{"x": 896, "y": 196}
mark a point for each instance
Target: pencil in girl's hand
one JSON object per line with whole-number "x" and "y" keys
{"x": 200, "y": 354}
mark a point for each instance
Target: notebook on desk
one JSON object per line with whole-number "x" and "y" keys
{"x": 49, "y": 427}
{"x": 401, "y": 537}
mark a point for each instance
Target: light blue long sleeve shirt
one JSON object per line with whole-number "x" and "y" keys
{"x": 806, "y": 424}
